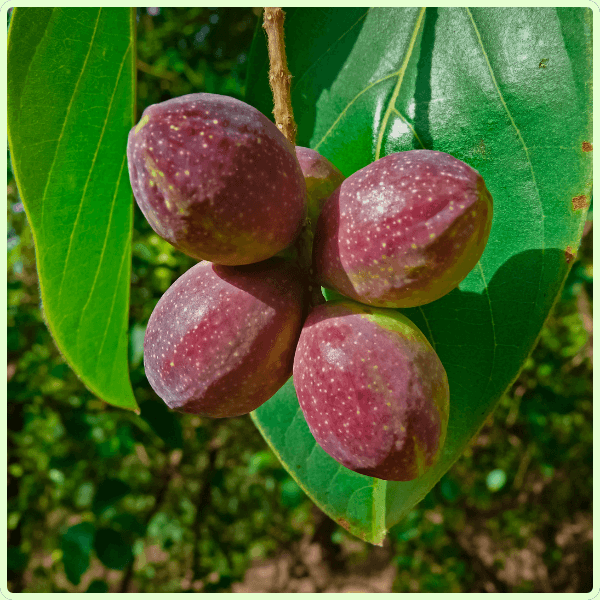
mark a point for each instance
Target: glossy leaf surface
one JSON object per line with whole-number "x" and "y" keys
{"x": 70, "y": 108}
{"x": 506, "y": 90}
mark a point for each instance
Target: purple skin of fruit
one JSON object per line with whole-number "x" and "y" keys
{"x": 373, "y": 391}
{"x": 215, "y": 178}
{"x": 221, "y": 340}
{"x": 403, "y": 231}
{"x": 321, "y": 178}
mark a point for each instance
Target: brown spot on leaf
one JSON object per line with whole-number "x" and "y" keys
{"x": 569, "y": 256}
{"x": 586, "y": 146}
{"x": 482, "y": 149}
{"x": 344, "y": 524}
{"x": 579, "y": 202}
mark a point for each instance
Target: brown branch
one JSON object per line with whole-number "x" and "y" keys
{"x": 279, "y": 75}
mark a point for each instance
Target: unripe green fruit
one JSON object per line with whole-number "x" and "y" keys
{"x": 216, "y": 179}
{"x": 404, "y": 230}
{"x": 372, "y": 389}
{"x": 221, "y": 340}
{"x": 321, "y": 178}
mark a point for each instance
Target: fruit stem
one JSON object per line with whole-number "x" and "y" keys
{"x": 280, "y": 80}
{"x": 279, "y": 75}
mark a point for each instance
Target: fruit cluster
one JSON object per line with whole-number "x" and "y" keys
{"x": 272, "y": 223}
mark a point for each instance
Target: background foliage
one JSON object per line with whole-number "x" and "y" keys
{"x": 103, "y": 500}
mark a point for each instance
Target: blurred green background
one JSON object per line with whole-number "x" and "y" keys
{"x": 100, "y": 499}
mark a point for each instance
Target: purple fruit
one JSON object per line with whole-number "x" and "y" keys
{"x": 216, "y": 179}
{"x": 221, "y": 340}
{"x": 321, "y": 178}
{"x": 373, "y": 391}
{"x": 403, "y": 231}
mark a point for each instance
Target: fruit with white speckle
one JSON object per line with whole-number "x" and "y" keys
{"x": 221, "y": 340}
{"x": 217, "y": 179}
{"x": 404, "y": 230}
{"x": 372, "y": 389}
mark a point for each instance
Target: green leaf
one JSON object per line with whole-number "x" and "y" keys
{"x": 495, "y": 480}
{"x": 70, "y": 108}
{"x": 356, "y": 502}
{"x": 76, "y": 545}
{"x": 97, "y": 587}
{"x": 112, "y": 549}
{"x": 164, "y": 422}
{"x": 110, "y": 491}
{"x": 129, "y": 524}
{"x": 449, "y": 488}
{"x": 16, "y": 559}
{"x": 506, "y": 90}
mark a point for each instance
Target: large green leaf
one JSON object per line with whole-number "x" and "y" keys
{"x": 508, "y": 91}
{"x": 70, "y": 107}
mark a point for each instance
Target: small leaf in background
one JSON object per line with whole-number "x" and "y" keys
{"x": 495, "y": 480}
{"x": 71, "y": 77}
{"x": 84, "y": 494}
{"x": 449, "y": 488}
{"x": 136, "y": 345}
{"x": 97, "y": 587}
{"x": 16, "y": 559}
{"x": 164, "y": 528}
{"x": 260, "y": 461}
{"x": 109, "y": 492}
{"x": 112, "y": 548}
{"x": 76, "y": 424}
{"x": 164, "y": 422}
{"x": 129, "y": 524}
{"x": 76, "y": 545}
{"x": 291, "y": 493}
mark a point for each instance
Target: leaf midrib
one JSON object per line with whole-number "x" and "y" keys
{"x": 75, "y": 92}
{"x": 400, "y": 74}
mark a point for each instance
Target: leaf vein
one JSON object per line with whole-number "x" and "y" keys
{"x": 400, "y": 74}
{"x": 409, "y": 124}
{"x": 62, "y": 131}
{"x": 101, "y": 259}
{"x": 56, "y": 154}
{"x": 342, "y": 114}
{"x": 296, "y": 82}
{"x": 525, "y": 149}
{"x": 433, "y": 342}
{"x": 112, "y": 305}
